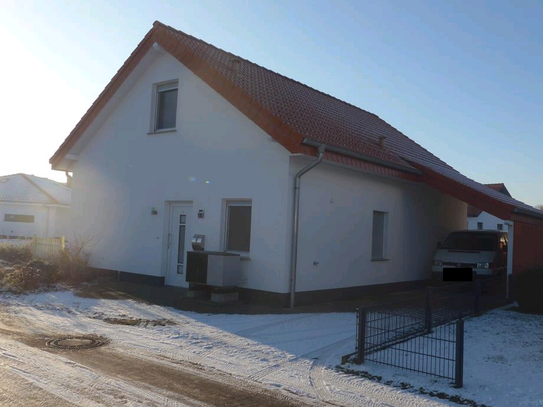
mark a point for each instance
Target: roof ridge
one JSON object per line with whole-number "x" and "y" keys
{"x": 47, "y": 194}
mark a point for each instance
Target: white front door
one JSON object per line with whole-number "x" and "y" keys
{"x": 179, "y": 238}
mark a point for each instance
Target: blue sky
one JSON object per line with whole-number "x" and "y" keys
{"x": 463, "y": 79}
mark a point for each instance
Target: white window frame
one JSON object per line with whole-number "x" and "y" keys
{"x": 385, "y": 236}
{"x": 227, "y": 204}
{"x": 157, "y": 88}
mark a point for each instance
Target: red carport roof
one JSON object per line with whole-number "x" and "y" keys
{"x": 291, "y": 113}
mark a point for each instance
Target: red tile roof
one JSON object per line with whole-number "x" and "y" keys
{"x": 292, "y": 112}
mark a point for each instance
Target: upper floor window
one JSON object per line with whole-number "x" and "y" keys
{"x": 165, "y": 106}
{"x": 500, "y": 226}
{"x": 480, "y": 225}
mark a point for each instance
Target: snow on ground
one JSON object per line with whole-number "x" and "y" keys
{"x": 293, "y": 352}
{"x": 503, "y": 362}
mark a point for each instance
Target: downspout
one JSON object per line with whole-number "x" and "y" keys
{"x": 294, "y": 254}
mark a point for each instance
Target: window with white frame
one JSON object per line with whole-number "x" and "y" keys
{"x": 379, "y": 235}
{"x": 238, "y": 226}
{"x": 165, "y": 109}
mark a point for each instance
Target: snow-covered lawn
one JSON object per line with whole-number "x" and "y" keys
{"x": 503, "y": 362}
{"x": 296, "y": 353}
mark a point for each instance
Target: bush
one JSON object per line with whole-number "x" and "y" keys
{"x": 31, "y": 276}
{"x": 527, "y": 288}
{"x": 73, "y": 262}
{"x": 15, "y": 252}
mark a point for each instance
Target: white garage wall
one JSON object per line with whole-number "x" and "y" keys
{"x": 23, "y": 229}
{"x": 336, "y": 215}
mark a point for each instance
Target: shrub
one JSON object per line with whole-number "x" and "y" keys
{"x": 527, "y": 290}
{"x": 15, "y": 252}
{"x": 31, "y": 276}
{"x": 73, "y": 262}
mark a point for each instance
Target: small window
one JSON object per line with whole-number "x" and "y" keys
{"x": 480, "y": 225}
{"x": 378, "y": 237}
{"x": 238, "y": 226}
{"x": 19, "y": 218}
{"x": 500, "y": 226}
{"x": 166, "y": 106}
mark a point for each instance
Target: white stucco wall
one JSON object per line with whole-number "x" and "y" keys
{"x": 336, "y": 218}
{"x": 489, "y": 221}
{"x": 23, "y": 229}
{"x": 123, "y": 173}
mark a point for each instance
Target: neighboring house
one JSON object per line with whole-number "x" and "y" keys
{"x": 189, "y": 139}
{"x": 32, "y": 205}
{"x": 479, "y": 219}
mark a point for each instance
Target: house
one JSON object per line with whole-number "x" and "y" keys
{"x": 31, "y": 205}
{"x": 320, "y": 198}
{"x": 479, "y": 219}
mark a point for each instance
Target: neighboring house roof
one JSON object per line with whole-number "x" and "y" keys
{"x": 474, "y": 212}
{"x": 23, "y": 188}
{"x": 299, "y": 117}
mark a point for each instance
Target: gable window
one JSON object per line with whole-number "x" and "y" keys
{"x": 19, "y": 218}
{"x": 479, "y": 225}
{"x": 238, "y": 226}
{"x": 165, "y": 106}
{"x": 378, "y": 235}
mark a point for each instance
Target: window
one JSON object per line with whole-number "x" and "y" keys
{"x": 238, "y": 226}
{"x": 479, "y": 225}
{"x": 378, "y": 238}
{"x": 19, "y": 218}
{"x": 165, "y": 106}
{"x": 500, "y": 226}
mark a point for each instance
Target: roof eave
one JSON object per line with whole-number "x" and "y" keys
{"x": 359, "y": 156}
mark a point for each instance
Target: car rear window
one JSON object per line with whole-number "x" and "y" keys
{"x": 471, "y": 241}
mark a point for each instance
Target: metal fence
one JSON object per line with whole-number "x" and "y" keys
{"x": 47, "y": 248}
{"x": 384, "y": 338}
{"x": 425, "y": 333}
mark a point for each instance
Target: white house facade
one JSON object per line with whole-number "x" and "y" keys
{"x": 479, "y": 219}
{"x": 32, "y": 205}
{"x": 188, "y": 139}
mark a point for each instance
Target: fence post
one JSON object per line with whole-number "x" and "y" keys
{"x": 459, "y": 359}
{"x": 428, "y": 310}
{"x": 477, "y": 296}
{"x": 361, "y": 336}
{"x": 62, "y": 242}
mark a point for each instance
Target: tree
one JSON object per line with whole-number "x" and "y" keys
{"x": 540, "y": 207}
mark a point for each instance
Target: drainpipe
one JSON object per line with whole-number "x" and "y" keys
{"x": 294, "y": 255}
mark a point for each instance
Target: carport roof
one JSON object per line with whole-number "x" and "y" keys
{"x": 298, "y": 116}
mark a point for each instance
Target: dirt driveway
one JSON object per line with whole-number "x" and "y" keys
{"x": 156, "y": 384}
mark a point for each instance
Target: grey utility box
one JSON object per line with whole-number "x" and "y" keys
{"x": 216, "y": 269}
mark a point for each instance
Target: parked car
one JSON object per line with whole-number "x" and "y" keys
{"x": 482, "y": 251}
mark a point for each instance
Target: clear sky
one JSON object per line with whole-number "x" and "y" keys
{"x": 464, "y": 79}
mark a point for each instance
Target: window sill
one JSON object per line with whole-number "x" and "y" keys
{"x": 152, "y": 133}
{"x": 242, "y": 256}
{"x": 380, "y": 259}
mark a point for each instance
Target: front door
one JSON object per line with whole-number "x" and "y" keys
{"x": 178, "y": 243}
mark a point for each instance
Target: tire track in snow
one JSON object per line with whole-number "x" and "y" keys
{"x": 314, "y": 353}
